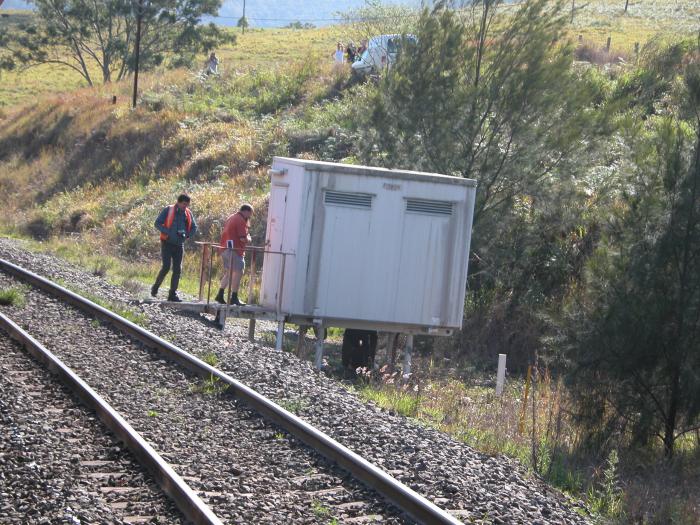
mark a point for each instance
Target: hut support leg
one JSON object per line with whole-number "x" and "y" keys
{"x": 320, "y": 339}
{"x": 221, "y": 317}
{"x": 391, "y": 349}
{"x": 280, "y": 335}
{"x": 251, "y": 330}
{"x": 300, "y": 341}
{"x": 407, "y": 355}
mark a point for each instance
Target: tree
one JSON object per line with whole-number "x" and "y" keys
{"x": 90, "y": 35}
{"x": 379, "y": 18}
{"x": 635, "y": 331}
{"x": 17, "y": 40}
{"x": 491, "y": 99}
{"x": 490, "y": 93}
{"x": 575, "y": 8}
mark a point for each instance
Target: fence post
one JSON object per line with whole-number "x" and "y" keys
{"x": 501, "y": 375}
{"x": 607, "y": 44}
{"x": 251, "y": 291}
{"x": 203, "y": 270}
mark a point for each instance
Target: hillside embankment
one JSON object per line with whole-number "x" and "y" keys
{"x": 78, "y": 167}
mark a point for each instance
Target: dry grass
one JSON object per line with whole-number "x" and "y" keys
{"x": 599, "y": 20}
{"x": 537, "y": 430}
{"x": 256, "y": 48}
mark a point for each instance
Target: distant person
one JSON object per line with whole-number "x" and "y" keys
{"x": 339, "y": 55}
{"x": 351, "y": 52}
{"x": 212, "y": 65}
{"x": 176, "y": 224}
{"x": 234, "y": 239}
{"x": 362, "y": 48}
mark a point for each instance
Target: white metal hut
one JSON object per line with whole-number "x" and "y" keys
{"x": 368, "y": 248}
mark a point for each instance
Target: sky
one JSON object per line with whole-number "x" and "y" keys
{"x": 271, "y": 13}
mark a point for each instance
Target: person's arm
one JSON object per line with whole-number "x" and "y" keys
{"x": 242, "y": 237}
{"x": 226, "y": 233}
{"x": 160, "y": 221}
{"x": 193, "y": 230}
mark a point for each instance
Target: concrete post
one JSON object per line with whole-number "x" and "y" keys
{"x": 501, "y": 375}
{"x": 251, "y": 330}
{"x": 407, "y": 355}
{"x": 280, "y": 335}
{"x": 320, "y": 339}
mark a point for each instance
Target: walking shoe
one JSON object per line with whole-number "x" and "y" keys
{"x": 154, "y": 291}
{"x": 220, "y": 297}
{"x": 235, "y": 300}
{"x": 173, "y": 298}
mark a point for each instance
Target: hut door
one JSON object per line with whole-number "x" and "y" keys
{"x": 274, "y": 243}
{"x": 347, "y": 226}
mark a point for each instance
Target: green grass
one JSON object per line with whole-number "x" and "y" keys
{"x": 210, "y": 358}
{"x": 211, "y": 386}
{"x": 127, "y": 313}
{"x": 320, "y": 510}
{"x": 15, "y": 296}
{"x": 295, "y": 406}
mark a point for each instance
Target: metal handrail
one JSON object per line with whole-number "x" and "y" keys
{"x": 208, "y": 253}
{"x": 251, "y": 248}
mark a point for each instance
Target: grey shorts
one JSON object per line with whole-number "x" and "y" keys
{"x": 230, "y": 256}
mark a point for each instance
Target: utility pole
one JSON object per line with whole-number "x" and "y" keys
{"x": 244, "y": 18}
{"x": 137, "y": 51}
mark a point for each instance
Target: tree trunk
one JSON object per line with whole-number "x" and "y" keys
{"x": 106, "y": 73}
{"x": 670, "y": 423}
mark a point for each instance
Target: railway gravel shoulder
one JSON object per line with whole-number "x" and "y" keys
{"x": 245, "y": 469}
{"x": 455, "y": 476}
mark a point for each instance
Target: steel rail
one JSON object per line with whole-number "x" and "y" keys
{"x": 172, "y": 484}
{"x": 406, "y": 499}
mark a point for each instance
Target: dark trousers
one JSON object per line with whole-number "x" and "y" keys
{"x": 171, "y": 254}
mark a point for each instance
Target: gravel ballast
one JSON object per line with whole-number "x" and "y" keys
{"x": 476, "y": 487}
{"x": 58, "y": 464}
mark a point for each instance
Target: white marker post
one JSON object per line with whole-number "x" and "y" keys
{"x": 501, "y": 376}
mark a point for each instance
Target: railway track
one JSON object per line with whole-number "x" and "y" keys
{"x": 57, "y": 464}
{"x": 245, "y": 468}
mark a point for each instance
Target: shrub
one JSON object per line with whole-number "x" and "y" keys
{"x": 599, "y": 55}
{"x": 39, "y": 228}
{"x": 15, "y": 296}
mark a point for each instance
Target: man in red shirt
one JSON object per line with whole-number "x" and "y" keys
{"x": 234, "y": 239}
